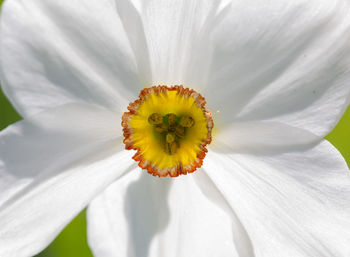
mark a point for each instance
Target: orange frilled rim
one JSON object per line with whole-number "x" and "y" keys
{"x": 138, "y": 157}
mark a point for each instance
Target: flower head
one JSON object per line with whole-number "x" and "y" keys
{"x": 275, "y": 77}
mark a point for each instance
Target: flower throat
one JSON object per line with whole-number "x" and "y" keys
{"x": 172, "y": 128}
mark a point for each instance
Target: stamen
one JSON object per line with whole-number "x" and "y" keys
{"x": 155, "y": 118}
{"x": 171, "y": 118}
{"x": 187, "y": 121}
{"x": 171, "y": 148}
{"x": 161, "y": 128}
{"x": 170, "y": 137}
{"x": 179, "y": 131}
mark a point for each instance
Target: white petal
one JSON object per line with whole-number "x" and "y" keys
{"x": 284, "y": 62}
{"x": 55, "y": 52}
{"x": 295, "y": 203}
{"x": 260, "y": 137}
{"x": 241, "y": 239}
{"x": 176, "y": 32}
{"x": 50, "y": 167}
{"x": 141, "y": 215}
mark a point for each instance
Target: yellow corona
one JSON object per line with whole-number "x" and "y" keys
{"x": 169, "y": 128}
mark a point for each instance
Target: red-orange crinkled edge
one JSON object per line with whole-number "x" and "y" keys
{"x": 145, "y": 164}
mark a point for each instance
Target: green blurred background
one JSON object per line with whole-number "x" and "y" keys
{"x": 72, "y": 242}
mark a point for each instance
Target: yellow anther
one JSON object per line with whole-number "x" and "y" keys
{"x": 172, "y": 118}
{"x": 171, "y": 148}
{"x": 161, "y": 128}
{"x": 170, "y": 137}
{"x": 187, "y": 121}
{"x": 155, "y": 119}
{"x": 179, "y": 131}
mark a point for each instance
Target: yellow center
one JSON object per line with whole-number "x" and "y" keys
{"x": 162, "y": 151}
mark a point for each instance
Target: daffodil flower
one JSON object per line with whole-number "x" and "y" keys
{"x": 188, "y": 127}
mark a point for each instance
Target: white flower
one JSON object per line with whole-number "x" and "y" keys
{"x": 276, "y": 78}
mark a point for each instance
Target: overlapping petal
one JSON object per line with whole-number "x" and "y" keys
{"x": 283, "y": 62}
{"x": 260, "y": 137}
{"x": 266, "y": 60}
{"x": 141, "y": 215}
{"x": 55, "y": 52}
{"x": 294, "y": 203}
{"x": 176, "y": 33}
{"x": 51, "y": 166}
